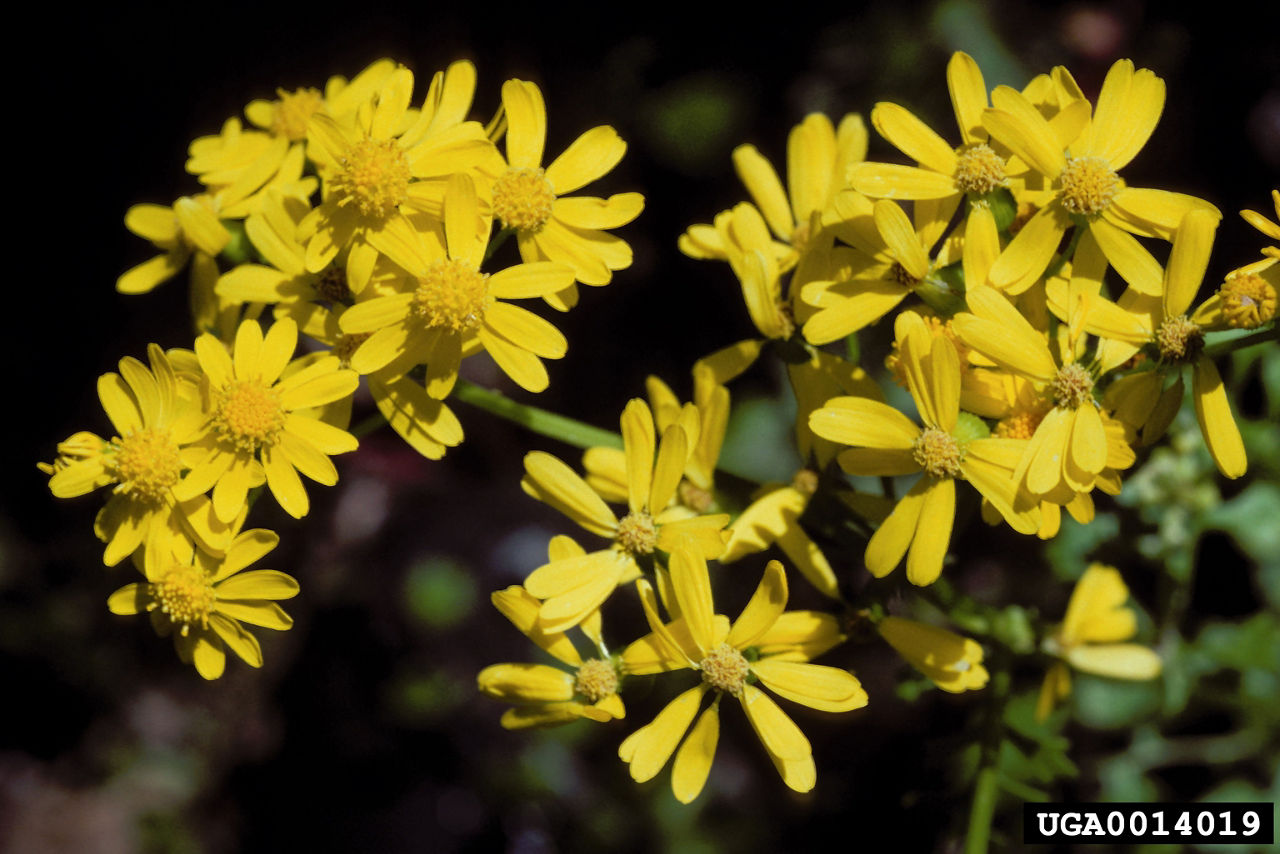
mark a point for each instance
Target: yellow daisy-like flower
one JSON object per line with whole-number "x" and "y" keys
{"x": 289, "y": 114}
{"x": 382, "y": 167}
{"x": 1247, "y": 298}
{"x": 951, "y": 445}
{"x": 899, "y": 264}
{"x": 1176, "y": 334}
{"x": 1084, "y": 174}
{"x": 155, "y": 422}
{"x": 253, "y": 424}
{"x": 544, "y": 695}
{"x": 951, "y": 661}
{"x": 191, "y": 225}
{"x": 703, "y": 641}
{"x": 819, "y": 157}
{"x": 572, "y": 588}
{"x": 549, "y": 224}
{"x": 1090, "y": 636}
{"x": 454, "y": 306}
{"x": 241, "y": 167}
{"x": 1069, "y": 447}
{"x": 202, "y": 600}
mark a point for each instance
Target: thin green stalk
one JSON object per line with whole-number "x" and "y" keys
{"x": 540, "y": 421}
{"x": 1221, "y": 348}
{"x": 986, "y": 786}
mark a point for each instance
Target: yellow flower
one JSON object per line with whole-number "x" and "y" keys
{"x": 574, "y": 587}
{"x": 545, "y": 695}
{"x": 253, "y": 424}
{"x": 1176, "y": 334}
{"x": 1247, "y": 299}
{"x": 155, "y": 421}
{"x": 1083, "y": 172}
{"x": 289, "y": 115}
{"x": 704, "y": 641}
{"x": 240, "y": 168}
{"x": 190, "y": 225}
{"x": 952, "y": 662}
{"x": 950, "y": 446}
{"x": 453, "y": 307}
{"x": 382, "y": 167}
{"x": 1089, "y": 638}
{"x": 819, "y": 157}
{"x": 549, "y": 224}
{"x": 201, "y": 600}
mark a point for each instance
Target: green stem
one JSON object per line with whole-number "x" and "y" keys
{"x": 1221, "y": 348}
{"x": 498, "y": 239}
{"x": 540, "y": 421}
{"x": 986, "y": 786}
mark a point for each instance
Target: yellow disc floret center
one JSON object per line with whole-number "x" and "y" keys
{"x": 293, "y": 111}
{"x": 1088, "y": 185}
{"x": 938, "y": 453}
{"x": 185, "y": 595}
{"x": 1248, "y": 301}
{"x": 522, "y": 199}
{"x": 248, "y": 414}
{"x": 637, "y": 533}
{"x": 1020, "y": 425}
{"x": 725, "y": 669}
{"x": 596, "y": 679}
{"x": 452, "y": 295}
{"x": 146, "y": 463}
{"x": 374, "y": 176}
{"x": 1179, "y": 340}
{"x": 979, "y": 170}
{"x": 1073, "y": 386}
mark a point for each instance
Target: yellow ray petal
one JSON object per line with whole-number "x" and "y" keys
{"x": 1213, "y": 411}
{"x": 933, "y": 533}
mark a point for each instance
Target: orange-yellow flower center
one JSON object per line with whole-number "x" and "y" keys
{"x": 1073, "y": 386}
{"x": 294, "y": 110}
{"x": 979, "y": 170}
{"x": 1179, "y": 340}
{"x": 1088, "y": 185}
{"x": 1248, "y": 301}
{"x": 522, "y": 199}
{"x": 145, "y": 463}
{"x": 596, "y": 679}
{"x": 725, "y": 669}
{"x": 374, "y": 176}
{"x": 185, "y": 595}
{"x": 937, "y": 452}
{"x": 452, "y": 295}
{"x": 248, "y": 414}
{"x": 1020, "y": 425}
{"x": 637, "y": 533}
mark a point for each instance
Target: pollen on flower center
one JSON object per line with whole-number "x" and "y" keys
{"x": 979, "y": 170}
{"x": 637, "y": 533}
{"x": 899, "y": 274}
{"x": 1073, "y": 386}
{"x": 374, "y": 176}
{"x": 185, "y": 595}
{"x": 1088, "y": 185}
{"x": 294, "y": 110}
{"x": 937, "y": 452}
{"x": 248, "y": 414}
{"x": 596, "y": 679}
{"x": 725, "y": 669}
{"x": 452, "y": 295}
{"x": 146, "y": 463}
{"x": 1179, "y": 340}
{"x": 522, "y": 199}
{"x": 1020, "y": 425}
{"x": 1248, "y": 300}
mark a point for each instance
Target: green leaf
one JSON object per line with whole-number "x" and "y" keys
{"x": 440, "y": 593}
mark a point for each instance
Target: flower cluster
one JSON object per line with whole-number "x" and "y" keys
{"x": 365, "y": 225}
{"x": 1040, "y": 311}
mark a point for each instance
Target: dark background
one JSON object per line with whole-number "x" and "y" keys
{"x": 363, "y": 731}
